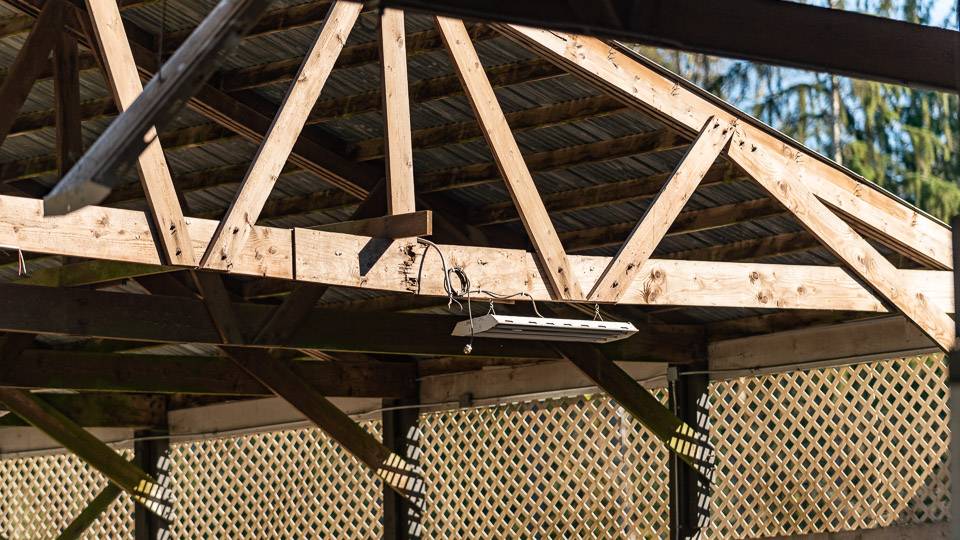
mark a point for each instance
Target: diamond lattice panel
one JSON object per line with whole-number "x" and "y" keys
{"x": 857, "y": 447}
{"x": 284, "y": 484}
{"x": 570, "y": 468}
{"x": 39, "y": 496}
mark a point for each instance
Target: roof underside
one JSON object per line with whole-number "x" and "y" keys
{"x": 563, "y": 159}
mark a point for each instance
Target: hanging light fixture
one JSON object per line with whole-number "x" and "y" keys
{"x": 542, "y": 328}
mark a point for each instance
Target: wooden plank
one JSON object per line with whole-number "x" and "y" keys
{"x": 91, "y": 179}
{"x": 301, "y": 300}
{"x": 29, "y": 61}
{"x": 507, "y": 154}
{"x": 787, "y": 186}
{"x": 89, "y": 448}
{"x": 201, "y": 375}
{"x": 660, "y": 215}
{"x": 91, "y": 512}
{"x": 691, "y": 446}
{"x": 90, "y": 272}
{"x": 121, "y": 73}
{"x": 66, "y": 89}
{"x": 236, "y": 226}
{"x": 396, "y": 113}
{"x": 396, "y": 226}
{"x": 641, "y": 84}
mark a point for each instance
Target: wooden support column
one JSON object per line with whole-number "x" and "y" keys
{"x": 403, "y": 477}
{"x": 681, "y": 438}
{"x": 151, "y": 452}
{"x": 121, "y": 73}
{"x": 662, "y": 212}
{"x": 401, "y": 433}
{"x": 397, "y": 139}
{"x": 91, "y": 512}
{"x": 236, "y": 225}
{"x": 30, "y": 61}
{"x": 509, "y": 160}
{"x": 689, "y": 491}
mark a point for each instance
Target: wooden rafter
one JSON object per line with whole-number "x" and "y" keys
{"x": 66, "y": 89}
{"x": 640, "y": 84}
{"x": 124, "y": 81}
{"x": 509, "y": 160}
{"x": 91, "y": 512}
{"x": 788, "y": 187}
{"x": 236, "y": 226}
{"x": 396, "y": 113}
{"x": 662, "y": 212}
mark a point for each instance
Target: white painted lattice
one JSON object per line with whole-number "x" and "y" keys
{"x": 823, "y": 450}
{"x": 846, "y": 448}
{"x": 39, "y": 496}
{"x": 568, "y": 468}
{"x": 285, "y": 484}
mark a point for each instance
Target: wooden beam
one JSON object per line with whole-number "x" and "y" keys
{"x": 121, "y": 74}
{"x": 100, "y": 409}
{"x": 29, "y": 61}
{"x": 335, "y": 259}
{"x": 685, "y": 108}
{"x": 788, "y": 186}
{"x": 165, "y": 319}
{"x": 782, "y": 33}
{"x": 236, "y": 226}
{"x": 91, "y": 179}
{"x": 396, "y": 113}
{"x": 690, "y": 445}
{"x": 91, "y": 512}
{"x": 397, "y": 226}
{"x": 660, "y": 215}
{"x": 66, "y": 89}
{"x": 404, "y": 478}
{"x": 523, "y": 191}
{"x": 201, "y": 375}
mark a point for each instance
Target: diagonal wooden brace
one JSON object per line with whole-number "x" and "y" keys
{"x": 91, "y": 512}
{"x": 691, "y": 446}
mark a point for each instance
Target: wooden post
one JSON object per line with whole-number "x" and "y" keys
{"x": 689, "y": 491}
{"x": 66, "y": 87}
{"x": 151, "y": 452}
{"x": 397, "y": 141}
{"x": 953, "y": 366}
{"x": 91, "y": 513}
{"x": 401, "y": 433}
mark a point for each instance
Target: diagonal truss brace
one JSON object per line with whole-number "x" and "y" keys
{"x": 689, "y": 444}
{"x": 786, "y": 186}
{"x": 121, "y": 73}
{"x": 509, "y": 160}
{"x": 405, "y": 478}
{"x": 236, "y": 225}
{"x": 91, "y": 512}
{"x": 662, "y": 212}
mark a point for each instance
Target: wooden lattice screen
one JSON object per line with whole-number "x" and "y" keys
{"x": 823, "y": 450}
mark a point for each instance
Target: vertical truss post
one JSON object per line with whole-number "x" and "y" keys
{"x": 401, "y": 433}
{"x": 689, "y": 490}
{"x": 953, "y": 366}
{"x": 151, "y": 452}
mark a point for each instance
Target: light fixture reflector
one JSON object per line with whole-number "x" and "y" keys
{"x": 510, "y": 327}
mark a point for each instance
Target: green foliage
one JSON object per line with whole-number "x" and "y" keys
{"x": 904, "y": 139}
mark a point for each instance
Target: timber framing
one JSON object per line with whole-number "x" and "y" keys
{"x": 284, "y": 226}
